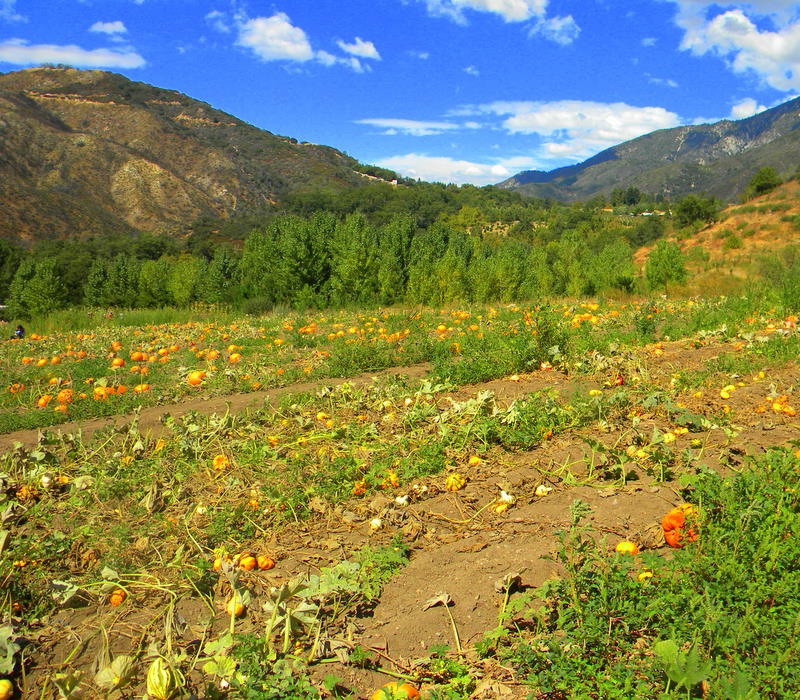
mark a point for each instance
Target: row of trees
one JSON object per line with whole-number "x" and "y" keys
{"x": 325, "y": 261}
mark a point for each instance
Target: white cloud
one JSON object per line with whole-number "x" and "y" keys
{"x": 219, "y": 21}
{"x": 509, "y": 10}
{"x": 561, "y": 30}
{"x": 576, "y": 129}
{"x": 746, "y": 108}
{"x": 410, "y": 127}
{"x": 772, "y": 54}
{"x": 275, "y": 39}
{"x": 472, "y": 70}
{"x": 360, "y": 48}
{"x": 451, "y": 170}
{"x": 665, "y": 82}
{"x": 421, "y": 55}
{"x": 649, "y": 41}
{"x": 9, "y": 13}
{"x": 328, "y": 59}
{"x": 20, "y": 53}
{"x": 111, "y": 28}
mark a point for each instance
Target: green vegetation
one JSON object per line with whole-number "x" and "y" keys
{"x": 765, "y": 180}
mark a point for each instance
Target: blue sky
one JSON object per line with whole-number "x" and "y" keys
{"x": 446, "y": 90}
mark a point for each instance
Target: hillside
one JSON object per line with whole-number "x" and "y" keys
{"x": 722, "y": 255}
{"x": 716, "y": 158}
{"x": 91, "y": 152}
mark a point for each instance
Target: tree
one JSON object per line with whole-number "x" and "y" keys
{"x": 186, "y": 272}
{"x": 694, "y": 208}
{"x": 153, "y": 276}
{"x": 36, "y": 289}
{"x": 665, "y": 264}
{"x": 765, "y": 180}
{"x": 222, "y": 277}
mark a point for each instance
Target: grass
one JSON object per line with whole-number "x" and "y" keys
{"x": 604, "y": 631}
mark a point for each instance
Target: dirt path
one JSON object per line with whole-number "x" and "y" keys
{"x": 150, "y": 417}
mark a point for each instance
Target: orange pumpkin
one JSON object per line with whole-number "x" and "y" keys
{"x": 676, "y": 531}
{"x": 265, "y": 563}
{"x": 248, "y": 562}
{"x": 396, "y": 690}
{"x": 196, "y": 377}
{"x": 117, "y": 597}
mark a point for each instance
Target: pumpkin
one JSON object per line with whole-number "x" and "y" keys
{"x": 235, "y": 606}
{"x": 395, "y": 691}
{"x": 117, "y": 597}
{"x": 454, "y": 482}
{"x": 117, "y": 362}
{"x": 248, "y": 562}
{"x": 676, "y": 532}
{"x": 196, "y": 377}
{"x": 626, "y": 547}
{"x": 6, "y": 689}
{"x": 265, "y": 563}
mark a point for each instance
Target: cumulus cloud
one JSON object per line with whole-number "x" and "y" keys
{"x": 111, "y": 28}
{"x": 575, "y": 129}
{"x": 451, "y": 170}
{"x": 561, "y": 30}
{"x": 21, "y": 53}
{"x": 649, "y": 41}
{"x": 738, "y": 32}
{"x": 9, "y": 13}
{"x": 275, "y": 39}
{"x": 746, "y": 108}
{"x": 509, "y": 10}
{"x": 472, "y": 70}
{"x": 360, "y": 48}
{"x": 410, "y": 127}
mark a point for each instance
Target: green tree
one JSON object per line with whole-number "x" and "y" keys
{"x": 11, "y": 257}
{"x": 696, "y": 208}
{"x": 153, "y": 276}
{"x": 665, "y": 264}
{"x": 355, "y": 262}
{"x": 221, "y": 280}
{"x": 184, "y": 278}
{"x": 36, "y": 289}
{"x": 765, "y": 180}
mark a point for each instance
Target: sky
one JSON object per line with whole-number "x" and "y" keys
{"x": 461, "y": 91}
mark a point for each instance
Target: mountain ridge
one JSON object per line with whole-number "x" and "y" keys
{"x": 93, "y": 152}
{"x": 717, "y": 158}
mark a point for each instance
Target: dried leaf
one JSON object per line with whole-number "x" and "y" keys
{"x": 509, "y": 582}
{"x": 439, "y": 599}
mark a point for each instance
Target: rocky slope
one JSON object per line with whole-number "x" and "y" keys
{"x": 89, "y": 152}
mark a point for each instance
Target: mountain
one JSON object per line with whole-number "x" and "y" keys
{"x": 719, "y": 159}
{"x": 90, "y": 152}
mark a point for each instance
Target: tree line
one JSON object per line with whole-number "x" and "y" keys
{"x": 421, "y": 244}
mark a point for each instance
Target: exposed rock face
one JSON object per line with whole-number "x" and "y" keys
{"x": 85, "y": 152}
{"x": 716, "y": 158}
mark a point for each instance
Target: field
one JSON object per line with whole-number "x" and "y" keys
{"x": 313, "y": 506}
